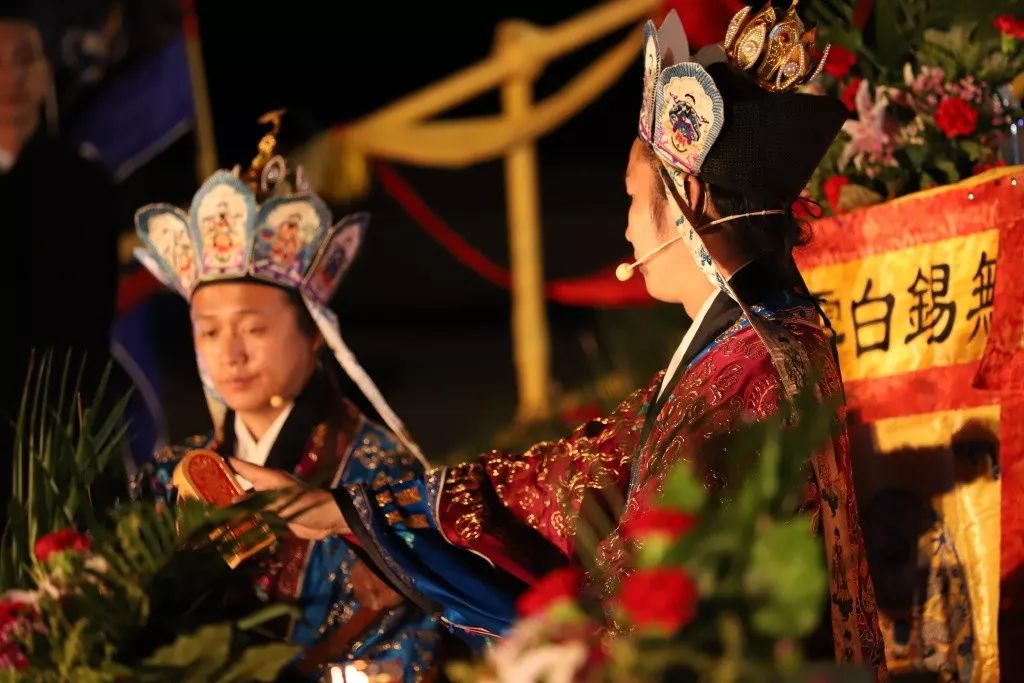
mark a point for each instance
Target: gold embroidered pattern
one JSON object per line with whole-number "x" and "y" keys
{"x": 384, "y": 498}
{"x": 763, "y": 397}
{"x": 369, "y": 452}
{"x": 393, "y": 517}
{"x": 725, "y": 381}
{"x": 417, "y": 521}
{"x": 409, "y": 496}
{"x": 544, "y": 486}
{"x": 461, "y": 493}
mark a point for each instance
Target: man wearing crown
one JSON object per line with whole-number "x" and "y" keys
{"x": 724, "y": 148}
{"x": 261, "y": 326}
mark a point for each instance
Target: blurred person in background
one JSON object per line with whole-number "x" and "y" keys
{"x": 59, "y": 224}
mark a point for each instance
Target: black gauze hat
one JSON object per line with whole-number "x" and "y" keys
{"x": 770, "y": 143}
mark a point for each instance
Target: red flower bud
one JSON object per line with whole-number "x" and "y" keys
{"x": 559, "y": 586}
{"x": 1010, "y": 26}
{"x": 654, "y": 521}
{"x": 833, "y": 187}
{"x": 60, "y": 541}
{"x": 839, "y": 62}
{"x": 664, "y": 599}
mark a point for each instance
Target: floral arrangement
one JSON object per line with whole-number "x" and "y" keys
{"x": 716, "y": 590}
{"x": 98, "y": 587}
{"x": 933, "y": 88}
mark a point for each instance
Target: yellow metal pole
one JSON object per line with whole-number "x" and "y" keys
{"x": 530, "y": 337}
{"x": 547, "y": 44}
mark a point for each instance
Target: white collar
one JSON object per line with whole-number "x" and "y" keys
{"x": 251, "y": 450}
{"x": 691, "y": 332}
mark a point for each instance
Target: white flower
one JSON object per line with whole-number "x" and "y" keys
{"x": 529, "y": 654}
{"x": 555, "y": 663}
{"x": 869, "y": 137}
{"x": 24, "y": 597}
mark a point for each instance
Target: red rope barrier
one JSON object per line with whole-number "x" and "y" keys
{"x": 600, "y": 290}
{"x": 433, "y": 225}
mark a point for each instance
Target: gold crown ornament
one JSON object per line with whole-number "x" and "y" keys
{"x": 779, "y": 51}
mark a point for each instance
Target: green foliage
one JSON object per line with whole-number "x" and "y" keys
{"x": 915, "y": 55}
{"x": 786, "y": 580}
{"x": 956, "y": 35}
{"x": 147, "y": 601}
{"x": 212, "y": 654}
{"x": 759, "y": 565}
{"x": 66, "y": 454}
{"x": 683, "y": 491}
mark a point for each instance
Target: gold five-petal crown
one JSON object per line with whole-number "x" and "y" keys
{"x": 778, "y": 52}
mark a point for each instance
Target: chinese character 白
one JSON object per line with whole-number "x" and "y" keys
{"x": 928, "y": 312}
{"x": 866, "y": 306}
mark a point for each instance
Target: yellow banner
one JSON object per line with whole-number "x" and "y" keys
{"x": 910, "y": 309}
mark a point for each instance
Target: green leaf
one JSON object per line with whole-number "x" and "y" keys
{"x": 891, "y": 41}
{"x": 855, "y": 196}
{"x": 974, "y": 149}
{"x": 786, "y": 579}
{"x": 266, "y": 614}
{"x": 917, "y": 155}
{"x": 949, "y": 169}
{"x": 197, "y": 656}
{"x": 682, "y": 489}
{"x": 261, "y": 663}
{"x": 653, "y": 551}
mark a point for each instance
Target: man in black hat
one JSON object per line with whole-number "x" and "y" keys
{"x": 59, "y": 278}
{"x": 724, "y": 148}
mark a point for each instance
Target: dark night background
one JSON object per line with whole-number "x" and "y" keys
{"x": 433, "y": 335}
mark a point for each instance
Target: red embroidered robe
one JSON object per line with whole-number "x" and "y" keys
{"x": 732, "y": 381}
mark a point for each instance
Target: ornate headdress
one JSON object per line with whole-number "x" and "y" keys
{"x": 782, "y": 51}
{"x": 728, "y": 114}
{"x": 265, "y": 225}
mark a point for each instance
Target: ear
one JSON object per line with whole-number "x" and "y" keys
{"x": 695, "y": 195}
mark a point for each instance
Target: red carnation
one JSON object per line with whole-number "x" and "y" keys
{"x": 14, "y": 622}
{"x": 560, "y": 585}
{"x": 849, "y": 94}
{"x": 1010, "y": 26}
{"x": 833, "y": 188}
{"x": 664, "y": 599}
{"x": 839, "y": 62}
{"x": 11, "y": 611}
{"x": 60, "y": 541}
{"x": 664, "y": 521}
{"x": 955, "y": 117}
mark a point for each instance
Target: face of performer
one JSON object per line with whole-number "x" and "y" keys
{"x": 24, "y": 81}
{"x": 671, "y": 276}
{"x": 255, "y": 345}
